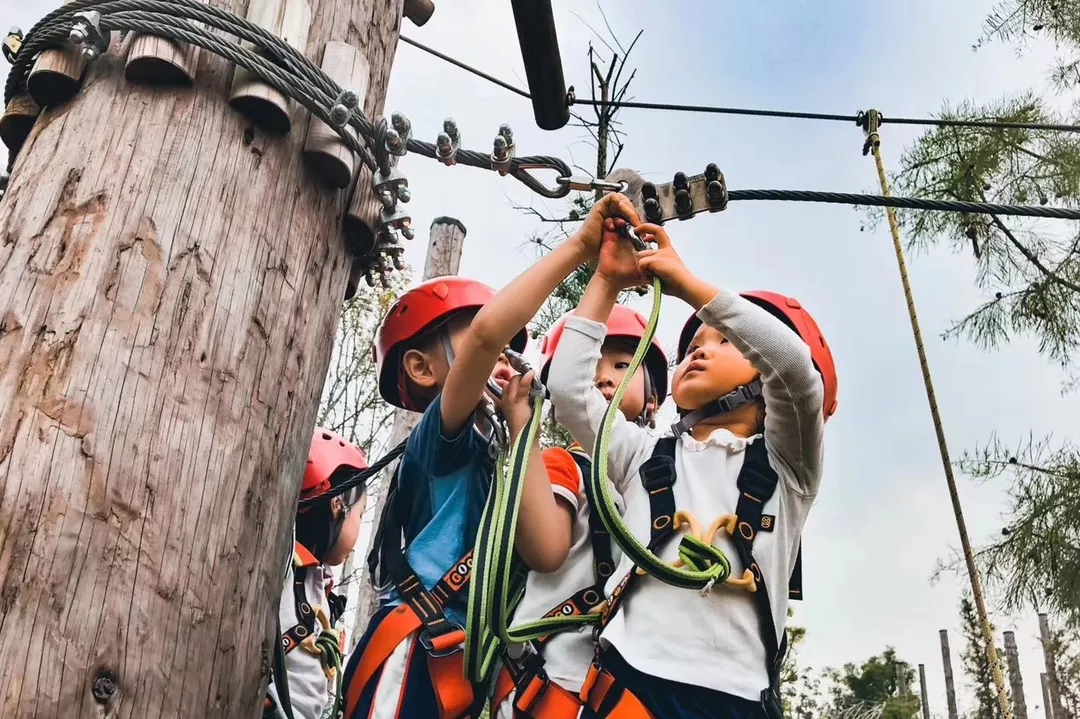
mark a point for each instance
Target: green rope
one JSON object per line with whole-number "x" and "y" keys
{"x": 708, "y": 565}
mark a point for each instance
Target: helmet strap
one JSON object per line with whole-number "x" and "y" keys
{"x": 645, "y": 419}
{"x": 738, "y": 397}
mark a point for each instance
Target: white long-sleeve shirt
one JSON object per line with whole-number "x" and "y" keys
{"x": 674, "y": 633}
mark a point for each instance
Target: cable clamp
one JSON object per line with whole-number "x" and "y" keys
{"x": 86, "y": 33}
{"x": 503, "y": 150}
{"x": 447, "y": 143}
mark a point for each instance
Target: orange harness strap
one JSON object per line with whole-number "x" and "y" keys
{"x": 536, "y": 696}
{"x": 452, "y": 689}
{"x": 607, "y": 699}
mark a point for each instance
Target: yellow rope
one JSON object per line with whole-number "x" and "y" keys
{"x": 873, "y": 143}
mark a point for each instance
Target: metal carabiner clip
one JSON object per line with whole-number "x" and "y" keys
{"x": 522, "y": 367}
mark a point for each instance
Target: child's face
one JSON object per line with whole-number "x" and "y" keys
{"x": 711, "y": 369}
{"x": 350, "y": 531}
{"x": 615, "y": 358}
{"x": 427, "y": 370}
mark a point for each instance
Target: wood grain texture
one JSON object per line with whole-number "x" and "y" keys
{"x": 17, "y": 121}
{"x": 170, "y": 281}
{"x": 56, "y": 75}
{"x": 328, "y": 154}
{"x": 153, "y": 60}
{"x": 362, "y": 220}
{"x": 289, "y": 20}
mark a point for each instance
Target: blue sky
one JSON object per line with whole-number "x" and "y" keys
{"x": 883, "y": 519}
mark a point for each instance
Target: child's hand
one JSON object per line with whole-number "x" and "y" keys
{"x": 609, "y": 206}
{"x": 618, "y": 264}
{"x": 663, "y": 262}
{"x": 517, "y": 402}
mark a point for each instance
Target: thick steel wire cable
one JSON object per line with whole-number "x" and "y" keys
{"x": 910, "y": 203}
{"x": 943, "y": 448}
{"x": 276, "y": 63}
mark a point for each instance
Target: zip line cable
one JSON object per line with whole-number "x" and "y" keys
{"x": 873, "y": 143}
{"x": 829, "y": 117}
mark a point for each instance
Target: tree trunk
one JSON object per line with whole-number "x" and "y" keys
{"x": 1048, "y": 708}
{"x": 169, "y": 282}
{"x": 922, "y": 692}
{"x": 1016, "y": 680}
{"x": 1051, "y": 667}
{"x": 447, "y": 237}
{"x": 950, "y": 687}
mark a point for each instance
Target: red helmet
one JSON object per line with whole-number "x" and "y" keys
{"x": 792, "y": 313}
{"x": 422, "y": 308}
{"x": 622, "y": 323}
{"x": 329, "y": 452}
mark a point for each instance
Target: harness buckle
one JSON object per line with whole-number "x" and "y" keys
{"x": 444, "y": 644}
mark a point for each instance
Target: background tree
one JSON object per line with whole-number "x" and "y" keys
{"x": 1030, "y": 274}
{"x": 800, "y": 686}
{"x": 874, "y": 688}
{"x": 1065, "y": 645}
{"x": 977, "y": 666}
{"x": 1036, "y": 561}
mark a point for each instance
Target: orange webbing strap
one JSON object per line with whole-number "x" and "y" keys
{"x": 607, "y": 699}
{"x": 447, "y": 670}
{"x": 503, "y": 686}
{"x": 542, "y": 698}
{"x": 453, "y": 691}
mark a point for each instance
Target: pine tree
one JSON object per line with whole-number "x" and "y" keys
{"x": 1036, "y": 560}
{"x": 874, "y": 688}
{"x": 977, "y": 666}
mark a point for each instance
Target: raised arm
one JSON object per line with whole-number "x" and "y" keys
{"x": 510, "y": 310}
{"x": 792, "y": 387}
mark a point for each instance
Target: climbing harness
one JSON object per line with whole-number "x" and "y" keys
{"x": 871, "y": 121}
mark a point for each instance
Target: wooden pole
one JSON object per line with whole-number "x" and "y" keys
{"x": 166, "y": 295}
{"x": 1051, "y": 667}
{"x": 923, "y": 692}
{"x": 946, "y": 661}
{"x": 445, "y": 241}
{"x": 1016, "y": 681}
{"x": 1048, "y": 708}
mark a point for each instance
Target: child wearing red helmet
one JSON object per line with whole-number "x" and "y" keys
{"x": 438, "y": 349}
{"x": 561, "y": 662}
{"x": 754, "y": 385}
{"x": 326, "y": 531}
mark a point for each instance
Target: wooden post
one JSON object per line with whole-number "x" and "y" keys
{"x": 902, "y": 687}
{"x": 923, "y": 693}
{"x": 446, "y": 238}
{"x": 18, "y": 119}
{"x": 1048, "y": 708}
{"x": 1016, "y": 681}
{"x": 266, "y": 107}
{"x": 56, "y": 74}
{"x": 1051, "y": 667}
{"x": 419, "y": 11}
{"x": 946, "y": 661}
{"x": 166, "y": 295}
{"x": 161, "y": 61}
{"x": 324, "y": 149}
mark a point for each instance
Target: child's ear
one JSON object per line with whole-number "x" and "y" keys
{"x": 650, "y": 411}
{"x": 419, "y": 369}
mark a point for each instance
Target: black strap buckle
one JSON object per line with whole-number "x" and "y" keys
{"x": 657, "y": 473}
{"x": 437, "y": 645}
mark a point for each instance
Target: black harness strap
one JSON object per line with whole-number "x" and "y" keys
{"x": 599, "y": 539}
{"x": 388, "y": 554}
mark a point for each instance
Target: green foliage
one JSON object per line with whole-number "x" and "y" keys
{"x": 977, "y": 665}
{"x": 1017, "y": 21}
{"x": 875, "y": 684}
{"x": 800, "y": 688}
{"x": 1036, "y": 561}
{"x": 1065, "y": 647}
{"x": 1029, "y": 270}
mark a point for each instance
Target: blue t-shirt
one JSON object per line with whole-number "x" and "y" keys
{"x": 446, "y": 480}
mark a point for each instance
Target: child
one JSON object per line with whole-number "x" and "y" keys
{"x": 578, "y": 587}
{"x": 326, "y": 531}
{"x": 436, "y": 351}
{"x": 755, "y": 383}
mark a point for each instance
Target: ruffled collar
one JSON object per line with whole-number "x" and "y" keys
{"x": 720, "y": 437}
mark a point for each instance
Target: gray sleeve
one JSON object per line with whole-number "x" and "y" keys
{"x": 794, "y": 393}
{"x": 580, "y": 406}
